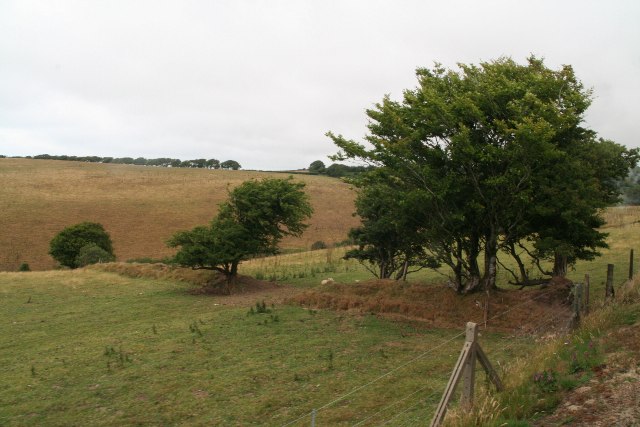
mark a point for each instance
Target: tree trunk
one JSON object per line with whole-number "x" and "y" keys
{"x": 560, "y": 265}
{"x": 457, "y": 270}
{"x": 490, "y": 260}
{"x": 474, "y": 277}
{"x": 231, "y": 275}
{"x": 402, "y": 273}
{"x": 524, "y": 274}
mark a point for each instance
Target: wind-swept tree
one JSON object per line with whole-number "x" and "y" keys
{"x": 257, "y": 215}
{"x": 389, "y": 240}
{"x": 480, "y": 145}
{"x": 230, "y": 164}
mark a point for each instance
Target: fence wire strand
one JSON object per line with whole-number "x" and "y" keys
{"x": 420, "y": 356}
{"x": 386, "y": 374}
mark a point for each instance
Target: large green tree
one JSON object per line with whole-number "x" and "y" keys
{"x": 256, "y": 216}
{"x": 389, "y": 239}
{"x": 67, "y": 246}
{"x": 484, "y": 147}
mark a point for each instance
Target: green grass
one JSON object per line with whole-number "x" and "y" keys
{"x": 309, "y": 268}
{"x": 92, "y": 348}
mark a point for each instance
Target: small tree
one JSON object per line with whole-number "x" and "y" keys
{"x": 213, "y": 164}
{"x": 252, "y": 222}
{"x": 230, "y": 164}
{"x": 317, "y": 167}
{"x": 390, "y": 240}
{"x": 66, "y": 245}
{"x": 93, "y": 254}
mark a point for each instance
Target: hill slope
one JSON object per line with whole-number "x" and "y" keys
{"x": 139, "y": 206}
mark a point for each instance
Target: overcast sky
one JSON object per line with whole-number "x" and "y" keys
{"x": 261, "y": 82}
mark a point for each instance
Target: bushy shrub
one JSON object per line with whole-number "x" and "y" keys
{"x": 24, "y": 267}
{"x": 318, "y": 245}
{"x": 66, "y": 245}
{"x": 93, "y": 254}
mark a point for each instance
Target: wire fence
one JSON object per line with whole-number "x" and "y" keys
{"x": 416, "y": 397}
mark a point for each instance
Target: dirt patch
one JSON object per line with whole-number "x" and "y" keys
{"x": 439, "y": 306}
{"x": 612, "y": 396}
{"x": 245, "y": 290}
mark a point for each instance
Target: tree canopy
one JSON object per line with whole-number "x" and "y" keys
{"x": 82, "y": 244}
{"x": 498, "y": 155}
{"x": 230, "y": 164}
{"x": 256, "y": 216}
{"x": 316, "y": 167}
{"x": 388, "y": 240}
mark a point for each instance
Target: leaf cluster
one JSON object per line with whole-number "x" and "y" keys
{"x": 79, "y": 244}
{"x": 256, "y": 216}
{"x": 499, "y": 158}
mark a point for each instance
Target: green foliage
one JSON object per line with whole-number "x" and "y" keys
{"x": 117, "y": 357}
{"x": 582, "y": 355}
{"x": 319, "y": 244}
{"x": 630, "y": 187}
{"x": 337, "y": 170}
{"x": 141, "y": 161}
{"x": 497, "y": 157}
{"x": 93, "y": 254}
{"x": 317, "y": 167}
{"x": 65, "y": 247}
{"x": 149, "y": 260}
{"x": 24, "y": 267}
{"x": 546, "y": 381}
{"x": 257, "y": 215}
{"x": 230, "y": 164}
{"x": 389, "y": 240}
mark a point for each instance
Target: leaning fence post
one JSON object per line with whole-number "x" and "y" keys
{"x": 469, "y": 374}
{"x": 587, "y": 286}
{"x": 313, "y": 418}
{"x": 631, "y": 264}
{"x": 609, "y": 292}
{"x": 465, "y": 368}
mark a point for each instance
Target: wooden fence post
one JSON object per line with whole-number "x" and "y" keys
{"x": 577, "y": 305}
{"x": 587, "y": 286}
{"x": 465, "y": 368}
{"x": 469, "y": 375}
{"x": 609, "y": 292}
{"x": 631, "y": 264}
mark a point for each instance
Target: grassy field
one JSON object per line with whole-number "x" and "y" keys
{"x": 309, "y": 268}
{"x": 141, "y": 207}
{"x": 87, "y": 347}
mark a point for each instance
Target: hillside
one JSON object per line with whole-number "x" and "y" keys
{"x": 139, "y": 206}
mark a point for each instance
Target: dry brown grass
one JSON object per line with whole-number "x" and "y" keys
{"x": 139, "y": 206}
{"x": 622, "y": 216}
{"x": 440, "y": 307}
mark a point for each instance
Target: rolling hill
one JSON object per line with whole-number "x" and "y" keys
{"x": 139, "y": 206}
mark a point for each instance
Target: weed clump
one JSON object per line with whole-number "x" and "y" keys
{"x": 119, "y": 357}
{"x": 319, "y": 244}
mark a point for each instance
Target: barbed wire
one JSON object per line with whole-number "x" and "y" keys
{"x": 409, "y": 408}
{"x": 422, "y": 355}
{"x": 390, "y": 406}
{"x": 386, "y": 374}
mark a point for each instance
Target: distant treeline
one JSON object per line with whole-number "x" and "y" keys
{"x": 630, "y": 187}
{"x": 165, "y": 162}
{"x": 336, "y": 170}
